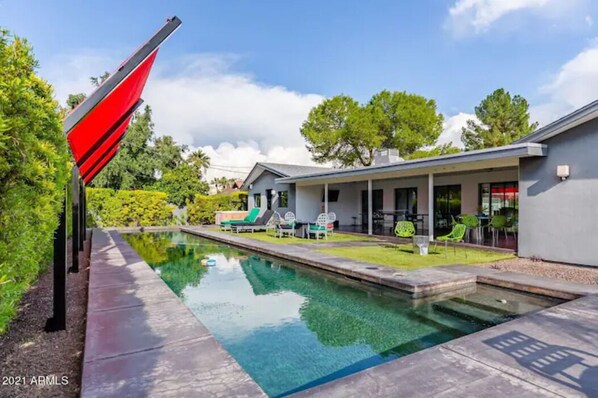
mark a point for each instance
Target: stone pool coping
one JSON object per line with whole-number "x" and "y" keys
{"x": 418, "y": 283}
{"x": 141, "y": 340}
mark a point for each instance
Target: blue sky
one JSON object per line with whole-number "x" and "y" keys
{"x": 240, "y": 76}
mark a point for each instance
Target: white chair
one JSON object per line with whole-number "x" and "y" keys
{"x": 289, "y": 217}
{"x": 284, "y": 228}
{"x": 331, "y": 220}
{"x": 320, "y": 227}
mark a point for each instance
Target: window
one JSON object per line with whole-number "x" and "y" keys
{"x": 495, "y": 196}
{"x": 283, "y": 199}
{"x": 257, "y": 200}
{"x": 332, "y": 195}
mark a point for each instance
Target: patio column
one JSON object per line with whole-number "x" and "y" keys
{"x": 326, "y": 198}
{"x": 370, "y": 209}
{"x": 431, "y": 206}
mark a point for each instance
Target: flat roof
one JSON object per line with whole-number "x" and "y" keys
{"x": 513, "y": 151}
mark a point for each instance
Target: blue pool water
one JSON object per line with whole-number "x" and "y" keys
{"x": 291, "y": 327}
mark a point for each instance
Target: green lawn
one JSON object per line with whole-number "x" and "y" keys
{"x": 402, "y": 256}
{"x": 270, "y": 238}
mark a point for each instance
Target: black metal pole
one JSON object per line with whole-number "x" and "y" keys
{"x": 84, "y": 212}
{"x": 81, "y": 211}
{"x": 75, "y": 221}
{"x": 58, "y": 320}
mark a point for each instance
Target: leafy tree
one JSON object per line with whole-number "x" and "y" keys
{"x": 439, "y": 150}
{"x": 342, "y": 131}
{"x": 168, "y": 154}
{"x": 339, "y": 130}
{"x": 181, "y": 184}
{"x": 75, "y": 99}
{"x": 34, "y": 169}
{"x": 407, "y": 122}
{"x": 502, "y": 120}
{"x": 134, "y": 166}
{"x": 200, "y": 161}
{"x": 97, "y": 81}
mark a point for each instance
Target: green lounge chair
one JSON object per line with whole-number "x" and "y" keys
{"x": 456, "y": 236}
{"x": 404, "y": 229}
{"x": 250, "y": 218}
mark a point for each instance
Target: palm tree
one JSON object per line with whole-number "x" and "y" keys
{"x": 200, "y": 160}
{"x": 220, "y": 183}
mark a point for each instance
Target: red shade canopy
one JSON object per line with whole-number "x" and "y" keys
{"x": 92, "y": 133}
{"x": 97, "y": 126}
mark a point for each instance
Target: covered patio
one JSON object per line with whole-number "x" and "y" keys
{"x": 433, "y": 193}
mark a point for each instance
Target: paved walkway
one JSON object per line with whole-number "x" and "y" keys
{"x": 141, "y": 340}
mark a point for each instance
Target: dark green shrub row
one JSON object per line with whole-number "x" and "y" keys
{"x": 33, "y": 172}
{"x": 204, "y": 207}
{"x": 110, "y": 208}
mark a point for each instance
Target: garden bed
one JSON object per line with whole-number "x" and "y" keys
{"x": 29, "y": 352}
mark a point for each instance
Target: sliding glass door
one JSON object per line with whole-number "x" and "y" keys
{"x": 406, "y": 200}
{"x": 447, "y": 203}
{"x": 495, "y": 197}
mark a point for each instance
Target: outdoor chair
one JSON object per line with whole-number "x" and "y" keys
{"x": 289, "y": 217}
{"x": 263, "y": 223}
{"x": 250, "y": 218}
{"x": 282, "y": 228}
{"x": 456, "y": 236}
{"x": 319, "y": 228}
{"x": 471, "y": 222}
{"x": 331, "y": 220}
{"x": 404, "y": 229}
{"x": 498, "y": 223}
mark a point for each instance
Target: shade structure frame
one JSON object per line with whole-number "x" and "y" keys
{"x": 113, "y": 127}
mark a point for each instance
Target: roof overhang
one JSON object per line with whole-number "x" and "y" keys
{"x": 95, "y": 128}
{"x": 574, "y": 119}
{"x": 492, "y": 158}
{"x": 257, "y": 171}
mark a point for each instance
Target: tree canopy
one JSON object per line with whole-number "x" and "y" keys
{"x": 342, "y": 131}
{"x": 502, "y": 119}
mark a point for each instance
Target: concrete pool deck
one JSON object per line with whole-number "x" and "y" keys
{"x": 141, "y": 339}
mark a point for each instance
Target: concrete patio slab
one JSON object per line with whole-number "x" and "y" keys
{"x": 141, "y": 340}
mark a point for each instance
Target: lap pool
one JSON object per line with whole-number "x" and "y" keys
{"x": 292, "y": 327}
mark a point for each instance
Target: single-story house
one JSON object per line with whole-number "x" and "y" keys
{"x": 548, "y": 180}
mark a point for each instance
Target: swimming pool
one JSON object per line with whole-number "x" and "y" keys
{"x": 292, "y": 327}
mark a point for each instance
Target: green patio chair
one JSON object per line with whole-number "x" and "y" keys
{"x": 471, "y": 222}
{"x": 404, "y": 229}
{"x": 456, "y": 236}
{"x": 498, "y": 223}
{"x": 250, "y": 218}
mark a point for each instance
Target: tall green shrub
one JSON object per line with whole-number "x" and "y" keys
{"x": 33, "y": 171}
{"x": 110, "y": 208}
{"x": 203, "y": 209}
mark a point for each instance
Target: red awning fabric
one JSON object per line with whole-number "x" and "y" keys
{"x": 95, "y": 138}
{"x": 103, "y": 162}
{"x": 106, "y": 147}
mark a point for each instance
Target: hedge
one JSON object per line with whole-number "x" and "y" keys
{"x": 111, "y": 208}
{"x": 203, "y": 209}
{"x": 34, "y": 169}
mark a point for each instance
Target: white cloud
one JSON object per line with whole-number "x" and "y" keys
{"x": 575, "y": 85}
{"x": 451, "y": 129}
{"x": 589, "y": 20}
{"x": 202, "y": 102}
{"x": 478, "y": 16}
